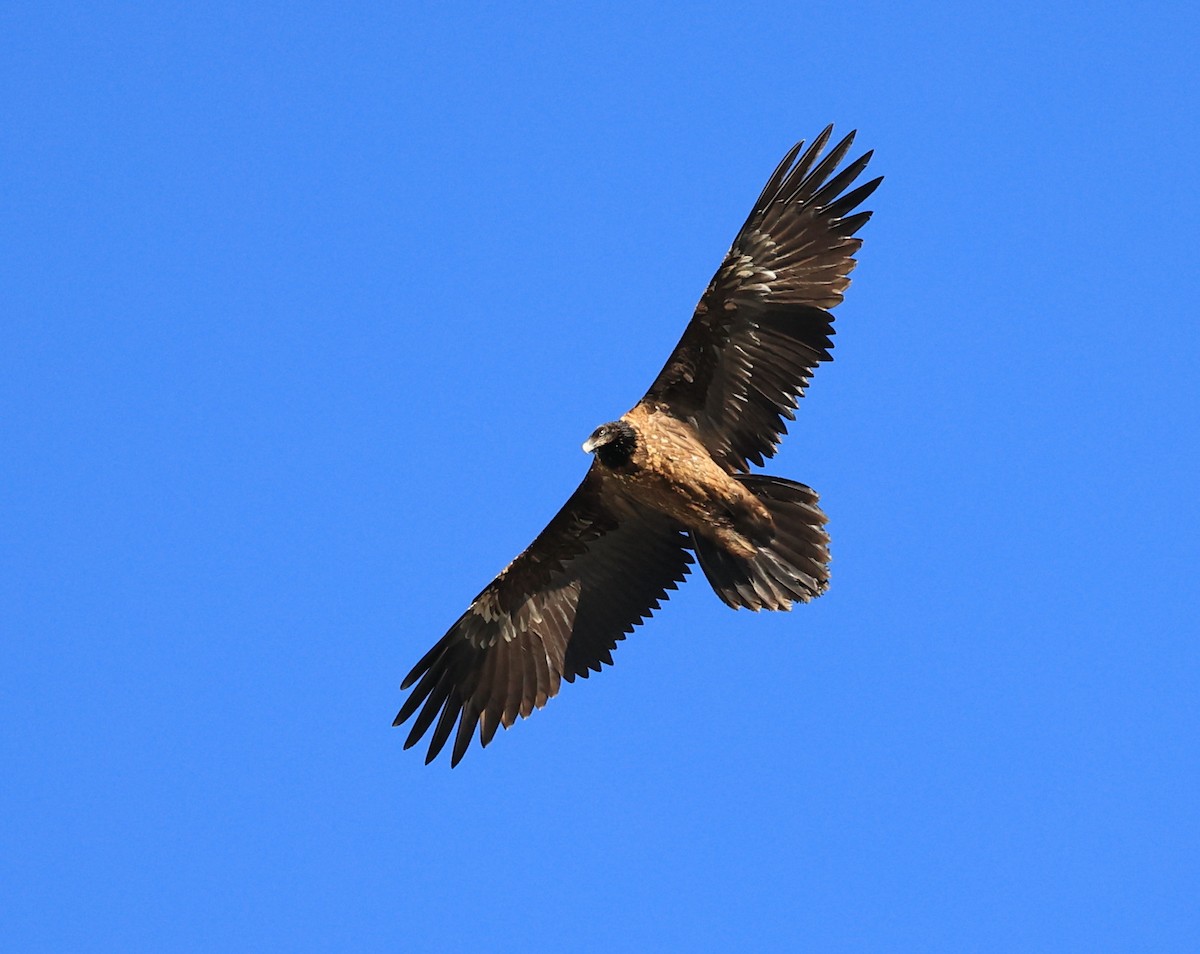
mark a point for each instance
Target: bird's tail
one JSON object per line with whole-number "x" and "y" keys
{"x": 793, "y": 565}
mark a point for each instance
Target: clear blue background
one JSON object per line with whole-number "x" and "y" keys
{"x": 306, "y": 311}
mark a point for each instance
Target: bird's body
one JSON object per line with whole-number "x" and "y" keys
{"x": 671, "y": 471}
{"x": 670, "y": 481}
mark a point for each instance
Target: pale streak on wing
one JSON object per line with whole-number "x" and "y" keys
{"x": 763, "y": 324}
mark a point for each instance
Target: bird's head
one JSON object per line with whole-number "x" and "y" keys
{"x": 612, "y": 443}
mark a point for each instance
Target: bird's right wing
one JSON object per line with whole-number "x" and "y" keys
{"x": 599, "y": 568}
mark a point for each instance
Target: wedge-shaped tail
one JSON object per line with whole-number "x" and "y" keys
{"x": 793, "y": 566}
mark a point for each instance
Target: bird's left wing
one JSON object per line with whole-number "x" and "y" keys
{"x": 599, "y": 568}
{"x": 763, "y": 324}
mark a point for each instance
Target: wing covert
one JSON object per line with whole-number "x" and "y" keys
{"x": 763, "y": 324}
{"x": 601, "y": 566}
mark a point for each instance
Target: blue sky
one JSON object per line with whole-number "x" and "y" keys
{"x": 308, "y": 308}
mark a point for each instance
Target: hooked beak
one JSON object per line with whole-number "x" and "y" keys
{"x": 589, "y": 445}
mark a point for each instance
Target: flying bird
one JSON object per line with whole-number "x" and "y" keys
{"x": 671, "y": 478}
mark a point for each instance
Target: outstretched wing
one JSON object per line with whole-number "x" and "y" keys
{"x": 763, "y": 324}
{"x": 599, "y": 568}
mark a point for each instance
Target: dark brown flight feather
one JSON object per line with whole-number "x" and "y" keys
{"x": 625, "y": 538}
{"x": 557, "y": 611}
{"x": 762, "y": 325}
